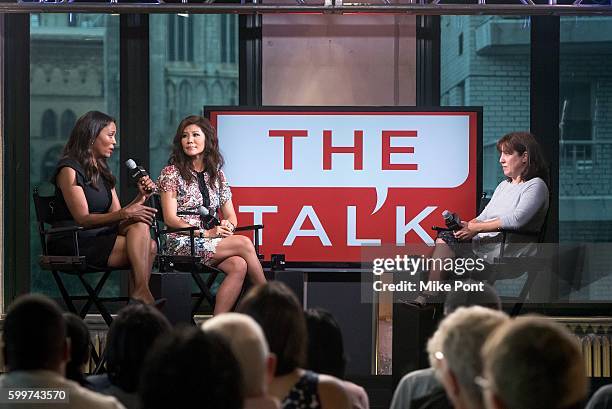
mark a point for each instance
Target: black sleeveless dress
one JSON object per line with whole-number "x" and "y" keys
{"x": 96, "y": 244}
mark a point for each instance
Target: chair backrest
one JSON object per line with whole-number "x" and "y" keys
{"x": 155, "y": 202}
{"x": 158, "y": 223}
{"x": 484, "y": 200}
{"x": 44, "y": 206}
{"x": 542, "y": 234}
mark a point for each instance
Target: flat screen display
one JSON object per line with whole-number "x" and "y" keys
{"x": 326, "y": 181}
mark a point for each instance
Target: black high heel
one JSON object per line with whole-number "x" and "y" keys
{"x": 424, "y": 299}
{"x": 159, "y": 303}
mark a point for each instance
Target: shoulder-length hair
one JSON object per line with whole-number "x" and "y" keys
{"x": 213, "y": 160}
{"x": 325, "y": 347}
{"x": 522, "y": 142}
{"x": 279, "y": 313}
{"x": 82, "y": 137}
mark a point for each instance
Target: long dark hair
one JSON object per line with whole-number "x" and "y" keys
{"x": 78, "y": 147}
{"x": 213, "y": 160}
{"x": 522, "y": 142}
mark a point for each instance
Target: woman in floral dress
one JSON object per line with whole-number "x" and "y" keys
{"x": 194, "y": 178}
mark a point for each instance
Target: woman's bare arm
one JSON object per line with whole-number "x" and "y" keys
{"x": 332, "y": 393}
{"x": 229, "y": 213}
{"x": 74, "y": 196}
{"x": 75, "y": 199}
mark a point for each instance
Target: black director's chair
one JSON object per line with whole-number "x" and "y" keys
{"x": 72, "y": 265}
{"x": 203, "y": 275}
{"x": 511, "y": 267}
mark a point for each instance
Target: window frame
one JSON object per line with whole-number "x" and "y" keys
{"x": 134, "y": 39}
{"x": 134, "y": 114}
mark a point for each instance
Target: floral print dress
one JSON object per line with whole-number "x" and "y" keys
{"x": 304, "y": 394}
{"x": 189, "y": 198}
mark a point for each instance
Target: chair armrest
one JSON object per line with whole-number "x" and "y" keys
{"x": 439, "y": 229}
{"x": 70, "y": 228}
{"x": 56, "y": 230}
{"x": 250, "y": 227}
{"x": 190, "y": 229}
{"x": 179, "y": 229}
{"x": 522, "y": 232}
{"x": 64, "y": 229}
{"x": 522, "y": 260}
{"x": 256, "y": 228}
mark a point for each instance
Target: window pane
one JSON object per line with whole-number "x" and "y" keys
{"x": 485, "y": 61}
{"x": 181, "y": 37}
{"x": 74, "y": 68}
{"x": 585, "y": 154}
{"x": 199, "y": 75}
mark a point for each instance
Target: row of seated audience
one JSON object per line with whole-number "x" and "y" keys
{"x": 481, "y": 358}
{"x": 270, "y": 354}
{"x": 252, "y": 359}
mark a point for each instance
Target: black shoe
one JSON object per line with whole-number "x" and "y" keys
{"x": 424, "y": 299}
{"x": 160, "y": 303}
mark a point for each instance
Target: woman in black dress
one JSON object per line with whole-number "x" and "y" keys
{"x": 85, "y": 195}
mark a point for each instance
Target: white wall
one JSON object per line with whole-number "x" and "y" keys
{"x": 339, "y": 60}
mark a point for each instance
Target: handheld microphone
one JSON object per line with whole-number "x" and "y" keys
{"x": 452, "y": 220}
{"x": 136, "y": 172}
{"x": 209, "y": 220}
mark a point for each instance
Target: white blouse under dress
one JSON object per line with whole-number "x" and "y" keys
{"x": 189, "y": 198}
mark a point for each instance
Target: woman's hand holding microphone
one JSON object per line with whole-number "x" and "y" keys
{"x": 146, "y": 187}
{"x": 137, "y": 211}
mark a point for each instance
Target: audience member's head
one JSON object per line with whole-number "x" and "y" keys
{"x": 280, "y": 315}
{"x": 434, "y": 346}
{"x": 188, "y": 368}
{"x": 487, "y": 298}
{"x": 525, "y": 145}
{"x": 325, "y": 347}
{"x": 249, "y": 345}
{"x": 465, "y": 331}
{"x": 78, "y": 333}
{"x": 533, "y": 363}
{"x": 130, "y": 337}
{"x": 34, "y": 335}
